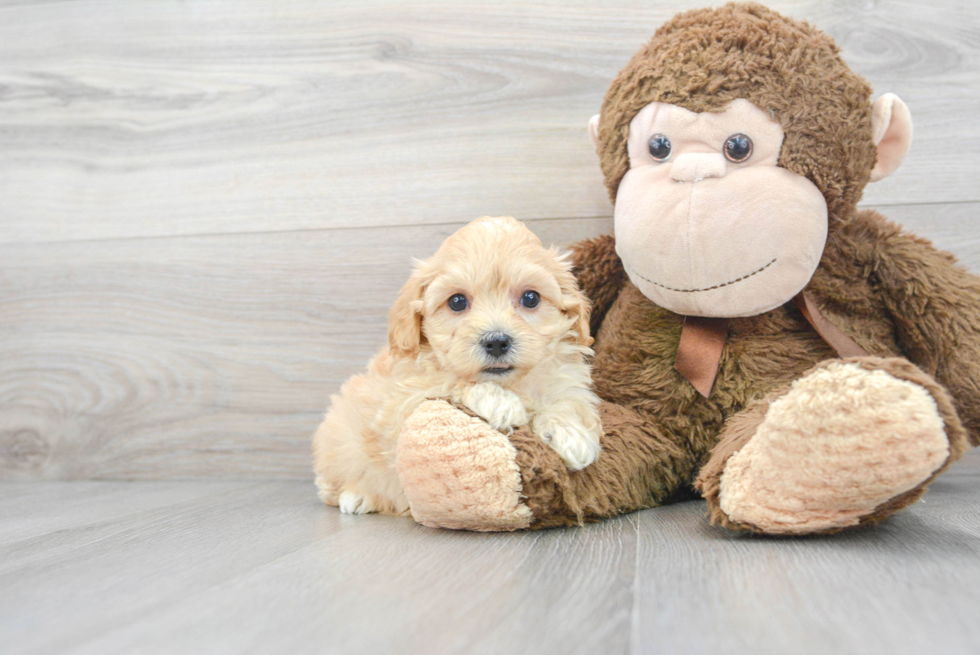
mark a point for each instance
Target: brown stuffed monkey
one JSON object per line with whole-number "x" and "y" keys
{"x": 806, "y": 366}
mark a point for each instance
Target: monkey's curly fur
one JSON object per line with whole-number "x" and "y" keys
{"x": 892, "y": 292}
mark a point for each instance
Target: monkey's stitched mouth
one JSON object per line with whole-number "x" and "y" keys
{"x": 717, "y": 286}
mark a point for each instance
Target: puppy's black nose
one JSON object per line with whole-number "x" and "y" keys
{"x": 496, "y": 343}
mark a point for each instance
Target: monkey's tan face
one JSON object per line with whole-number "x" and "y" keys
{"x": 706, "y": 223}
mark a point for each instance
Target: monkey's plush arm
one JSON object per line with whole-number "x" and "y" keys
{"x": 600, "y": 274}
{"x": 934, "y": 304}
{"x": 521, "y": 482}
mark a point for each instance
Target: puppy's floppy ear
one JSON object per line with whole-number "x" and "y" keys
{"x": 574, "y": 302}
{"x": 405, "y": 317}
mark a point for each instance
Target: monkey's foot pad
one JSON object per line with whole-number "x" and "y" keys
{"x": 839, "y": 448}
{"x": 458, "y": 472}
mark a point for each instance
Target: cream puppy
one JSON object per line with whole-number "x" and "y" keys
{"x": 493, "y": 321}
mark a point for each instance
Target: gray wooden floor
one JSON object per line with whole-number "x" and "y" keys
{"x": 262, "y": 567}
{"x": 206, "y": 209}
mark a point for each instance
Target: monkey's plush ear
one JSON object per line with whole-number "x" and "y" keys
{"x": 594, "y": 130}
{"x": 891, "y": 129}
{"x": 405, "y": 317}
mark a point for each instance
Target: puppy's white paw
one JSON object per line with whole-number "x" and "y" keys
{"x": 354, "y": 503}
{"x": 577, "y": 445}
{"x": 501, "y": 408}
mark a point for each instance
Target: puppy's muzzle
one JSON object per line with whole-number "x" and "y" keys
{"x": 496, "y": 344}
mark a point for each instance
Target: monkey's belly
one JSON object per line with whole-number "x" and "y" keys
{"x": 634, "y": 365}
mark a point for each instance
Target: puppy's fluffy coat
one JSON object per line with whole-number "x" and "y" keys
{"x": 493, "y": 321}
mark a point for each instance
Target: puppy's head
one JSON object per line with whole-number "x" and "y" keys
{"x": 491, "y": 304}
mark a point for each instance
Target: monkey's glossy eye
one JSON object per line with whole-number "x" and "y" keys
{"x": 738, "y": 148}
{"x": 659, "y": 147}
{"x": 530, "y": 299}
{"x": 458, "y": 303}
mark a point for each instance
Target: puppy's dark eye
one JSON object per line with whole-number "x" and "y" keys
{"x": 738, "y": 148}
{"x": 530, "y": 299}
{"x": 659, "y": 147}
{"x": 458, "y": 303}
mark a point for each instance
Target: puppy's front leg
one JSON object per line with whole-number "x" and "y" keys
{"x": 501, "y": 408}
{"x": 573, "y": 433}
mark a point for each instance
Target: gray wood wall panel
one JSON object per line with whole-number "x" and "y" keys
{"x": 206, "y": 208}
{"x": 194, "y": 356}
{"x": 159, "y": 118}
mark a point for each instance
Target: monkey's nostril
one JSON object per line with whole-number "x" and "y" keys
{"x": 496, "y": 343}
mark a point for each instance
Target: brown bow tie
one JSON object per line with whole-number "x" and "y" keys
{"x": 703, "y": 339}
